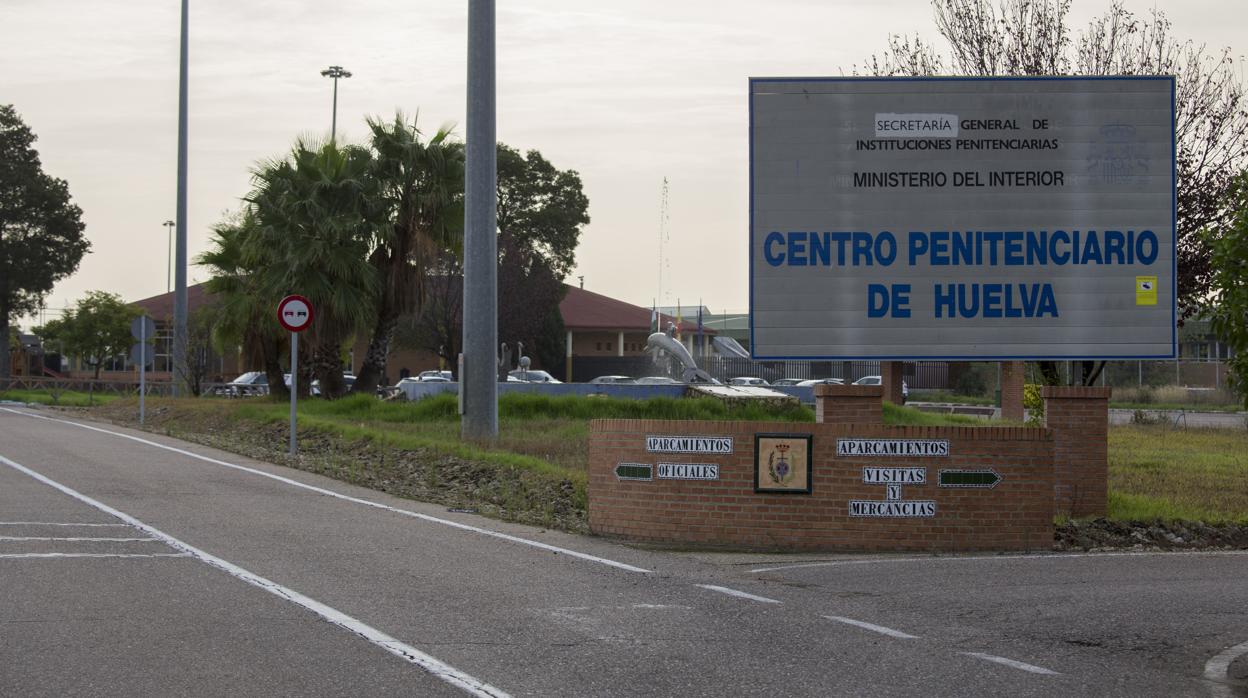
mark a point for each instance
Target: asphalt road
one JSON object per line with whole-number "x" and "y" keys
{"x": 134, "y": 564}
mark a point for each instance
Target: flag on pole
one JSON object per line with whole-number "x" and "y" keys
{"x": 654, "y": 318}
{"x": 678, "y": 319}
{"x": 701, "y": 343}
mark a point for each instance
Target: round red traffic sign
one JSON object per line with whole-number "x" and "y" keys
{"x": 295, "y": 313}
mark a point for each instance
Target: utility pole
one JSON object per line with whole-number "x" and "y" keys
{"x": 335, "y": 72}
{"x": 479, "y": 380}
{"x": 169, "y": 257}
{"x": 179, "y": 275}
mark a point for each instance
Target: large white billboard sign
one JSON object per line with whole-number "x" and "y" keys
{"x": 962, "y": 218}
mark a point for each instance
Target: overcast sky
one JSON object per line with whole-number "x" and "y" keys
{"x": 626, "y": 93}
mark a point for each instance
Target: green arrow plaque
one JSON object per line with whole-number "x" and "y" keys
{"x": 972, "y": 479}
{"x": 634, "y": 471}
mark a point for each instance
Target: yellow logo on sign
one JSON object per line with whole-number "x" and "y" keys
{"x": 1146, "y": 290}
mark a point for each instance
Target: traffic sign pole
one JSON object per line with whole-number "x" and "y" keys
{"x": 295, "y": 314}
{"x": 294, "y": 386}
{"x": 142, "y": 373}
{"x": 141, "y": 328}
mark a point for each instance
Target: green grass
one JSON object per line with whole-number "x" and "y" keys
{"x": 1159, "y": 472}
{"x": 1185, "y": 406}
{"x": 519, "y": 406}
{"x": 65, "y": 398}
{"x": 895, "y": 415}
{"x": 1155, "y": 471}
{"x": 950, "y": 397}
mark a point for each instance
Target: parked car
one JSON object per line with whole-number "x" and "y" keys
{"x": 532, "y": 376}
{"x": 748, "y": 380}
{"x": 879, "y": 380}
{"x": 612, "y": 380}
{"x": 818, "y": 381}
{"x": 787, "y": 381}
{"x": 436, "y": 376}
{"x": 657, "y": 380}
{"x": 246, "y": 385}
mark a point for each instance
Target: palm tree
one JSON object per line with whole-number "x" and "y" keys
{"x": 246, "y": 318}
{"x": 316, "y": 214}
{"x": 420, "y": 191}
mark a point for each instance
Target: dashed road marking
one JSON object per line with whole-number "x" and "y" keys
{"x": 348, "y": 498}
{"x": 9, "y": 556}
{"x": 1012, "y": 663}
{"x": 46, "y": 523}
{"x": 1218, "y": 670}
{"x": 79, "y": 539}
{"x": 990, "y": 558}
{"x": 738, "y": 594}
{"x": 430, "y": 664}
{"x": 873, "y": 628}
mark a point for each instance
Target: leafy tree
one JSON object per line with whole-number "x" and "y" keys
{"x": 420, "y": 190}
{"x": 1227, "y": 305}
{"x": 246, "y": 316}
{"x": 313, "y": 235}
{"x": 541, "y": 212}
{"x": 438, "y": 326}
{"x": 96, "y": 329}
{"x": 199, "y": 355}
{"x": 1032, "y": 37}
{"x": 41, "y": 230}
{"x": 540, "y": 209}
{"x": 528, "y": 304}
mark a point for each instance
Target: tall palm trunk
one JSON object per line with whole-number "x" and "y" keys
{"x": 374, "y": 366}
{"x": 270, "y": 355}
{"x": 327, "y": 367}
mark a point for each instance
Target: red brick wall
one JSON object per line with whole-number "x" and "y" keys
{"x": 1079, "y": 420}
{"x": 848, "y": 404}
{"x": 727, "y": 513}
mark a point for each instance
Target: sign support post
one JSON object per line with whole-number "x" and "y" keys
{"x": 141, "y": 328}
{"x": 295, "y": 314}
{"x": 294, "y": 386}
{"x": 142, "y": 372}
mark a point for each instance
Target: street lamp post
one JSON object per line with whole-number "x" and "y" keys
{"x": 169, "y": 262}
{"x": 335, "y": 72}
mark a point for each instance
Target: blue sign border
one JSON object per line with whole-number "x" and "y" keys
{"x": 1174, "y": 233}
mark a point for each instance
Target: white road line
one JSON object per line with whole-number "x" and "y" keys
{"x": 738, "y": 594}
{"x": 101, "y": 540}
{"x": 440, "y": 670}
{"x": 57, "y": 555}
{"x": 1218, "y": 670}
{"x": 989, "y": 558}
{"x": 348, "y": 498}
{"x": 45, "y": 523}
{"x": 873, "y": 628}
{"x": 1012, "y": 663}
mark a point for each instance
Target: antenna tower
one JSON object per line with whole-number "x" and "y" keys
{"x": 665, "y": 237}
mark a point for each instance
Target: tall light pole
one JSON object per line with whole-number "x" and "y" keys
{"x": 335, "y": 72}
{"x": 169, "y": 262}
{"x": 479, "y": 383}
{"x": 179, "y": 274}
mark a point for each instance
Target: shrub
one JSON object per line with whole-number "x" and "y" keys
{"x": 1033, "y": 402}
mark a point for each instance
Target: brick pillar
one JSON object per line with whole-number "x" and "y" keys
{"x": 1079, "y": 419}
{"x": 848, "y": 404}
{"x": 890, "y": 373}
{"x": 1012, "y": 390}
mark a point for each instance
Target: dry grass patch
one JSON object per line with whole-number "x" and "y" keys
{"x": 1159, "y": 472}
